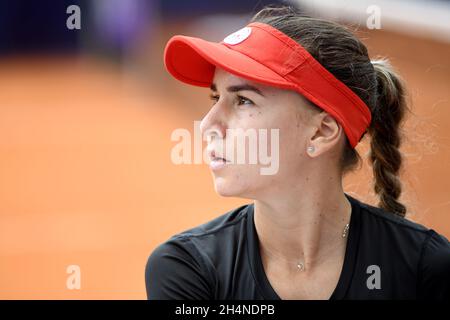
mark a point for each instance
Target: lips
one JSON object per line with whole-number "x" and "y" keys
{"x": 219, "y": 159}
{"x": 217, "y": 163}
{"x": 216, "y": 157}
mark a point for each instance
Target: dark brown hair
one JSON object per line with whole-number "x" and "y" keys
{"x": 346, "y": 57}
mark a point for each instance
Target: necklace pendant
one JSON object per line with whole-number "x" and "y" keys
{"x": 344, "y": 234}
{"x": 300, "y": 266}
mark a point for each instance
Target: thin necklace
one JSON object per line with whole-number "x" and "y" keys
{"x": 301, "y": 265}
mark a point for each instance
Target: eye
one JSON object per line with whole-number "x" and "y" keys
{"x": 240, "y": 99}
{"x": 244, "y": 100}
{"x": 214, "y": 98}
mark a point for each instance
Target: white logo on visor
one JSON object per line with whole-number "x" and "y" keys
{"x": 238, "y": 36}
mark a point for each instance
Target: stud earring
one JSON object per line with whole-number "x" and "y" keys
{"x": 311, "y": 149}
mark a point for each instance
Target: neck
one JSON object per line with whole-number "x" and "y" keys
{"x": 303, "y": 223}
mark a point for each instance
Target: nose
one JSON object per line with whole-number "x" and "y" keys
{"x": 213, "y": 123}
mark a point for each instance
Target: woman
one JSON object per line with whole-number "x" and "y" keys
{"x": 303, "y": 237}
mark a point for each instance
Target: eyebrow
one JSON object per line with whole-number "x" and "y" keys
{"x": 236, "y": 88}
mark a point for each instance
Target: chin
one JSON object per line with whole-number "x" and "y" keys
{"x": 227, "y": 187}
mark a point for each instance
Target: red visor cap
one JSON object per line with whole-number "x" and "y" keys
{"x": 261, "y": 53}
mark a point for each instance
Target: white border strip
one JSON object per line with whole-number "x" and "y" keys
{"x": 429, "y": 19}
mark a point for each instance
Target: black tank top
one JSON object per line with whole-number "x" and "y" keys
{"x": 386, "y": 257}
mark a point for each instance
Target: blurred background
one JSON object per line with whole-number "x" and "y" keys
{"x": 86, "y": 114}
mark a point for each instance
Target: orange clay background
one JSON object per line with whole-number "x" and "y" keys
{"x": 86, "y": 177}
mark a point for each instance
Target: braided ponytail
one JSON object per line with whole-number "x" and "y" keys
{"x": 384, "y": 130}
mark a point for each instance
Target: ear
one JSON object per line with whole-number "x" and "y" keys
{"x": 326, "y": 134}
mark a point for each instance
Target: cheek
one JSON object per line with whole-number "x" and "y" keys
{"x": 291, "y": 146}
{"x": 278, "y": 131}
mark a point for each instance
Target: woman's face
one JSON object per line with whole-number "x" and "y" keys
{"x": 275, "y": 125}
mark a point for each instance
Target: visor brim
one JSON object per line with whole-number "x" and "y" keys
{"x": 193, "y": 61}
